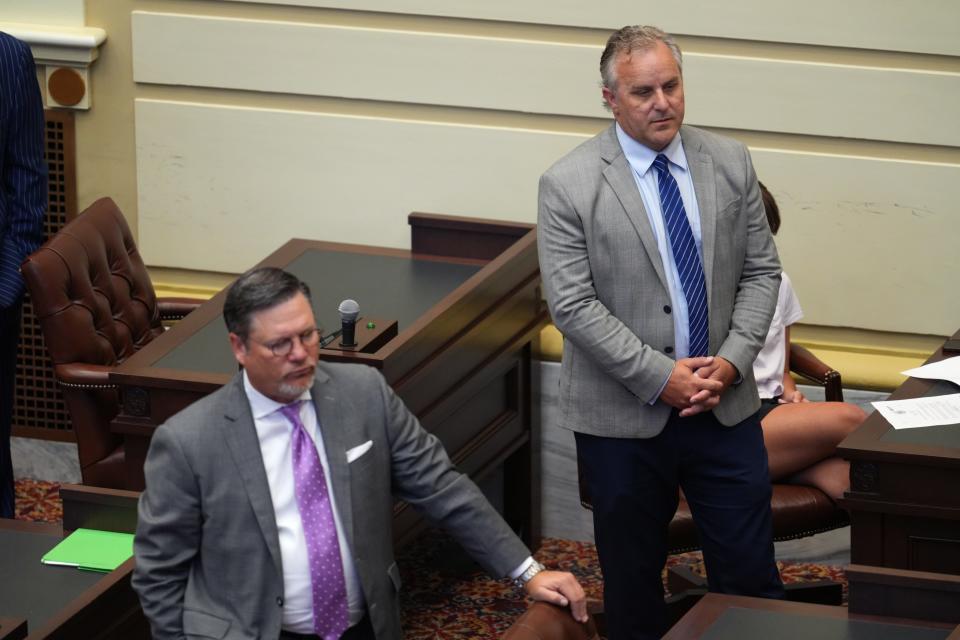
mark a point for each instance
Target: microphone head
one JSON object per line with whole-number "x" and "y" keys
{"x": 349, "y": 310}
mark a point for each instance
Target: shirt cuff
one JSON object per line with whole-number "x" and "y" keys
{"x": 523, "y": 567}
{"x": 663, "y": 386}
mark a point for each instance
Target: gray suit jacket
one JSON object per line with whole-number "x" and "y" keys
{"x": 207, "y": 548}
{"x": 607, "y": 291}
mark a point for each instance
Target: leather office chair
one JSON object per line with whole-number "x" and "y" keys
{"x": 96, "y": 305}
{"x": 543, "y": 621}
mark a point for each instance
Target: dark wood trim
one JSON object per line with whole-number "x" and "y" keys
{"x": 13, "y": 628}
{"x": 43, "y": 433}
{"x": 99, "y": 508}
{"x": 712, "y": 605}
{"x": 901, "y": 592}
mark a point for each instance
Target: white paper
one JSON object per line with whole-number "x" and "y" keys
{"x": 946, "y": 369}
{"x": 921, "y": 412}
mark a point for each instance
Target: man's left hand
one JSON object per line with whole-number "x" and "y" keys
{"x": 559, "y": 588}
{"x": 720, "y": 370}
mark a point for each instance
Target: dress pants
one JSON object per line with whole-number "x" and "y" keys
{"x": 9, "y": 338}
{"x": 633, "y": 484}
{"x": 363, "y": 630}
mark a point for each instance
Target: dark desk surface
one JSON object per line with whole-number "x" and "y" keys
{"x": 30, "y": 589}
{"x": 724, "y": 617}
{"x": 876, "y": 440}
{"x": 389, "y": 287}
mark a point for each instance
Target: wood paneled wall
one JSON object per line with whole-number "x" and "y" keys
{"x": 258, "y": 121}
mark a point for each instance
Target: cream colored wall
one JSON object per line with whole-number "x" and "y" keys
{"x": 225, "y": 127}
{"x": 59, "y": 13}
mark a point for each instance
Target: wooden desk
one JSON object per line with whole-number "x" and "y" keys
{"x": 723, "y": 617}
{"x": 467, "y": 299}
{"x": 64, "y": 603}
{"x": 904, "y": 506}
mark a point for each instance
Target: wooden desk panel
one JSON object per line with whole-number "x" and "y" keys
{"x": 725, "y": 617}
{"x": 905, "y": 511}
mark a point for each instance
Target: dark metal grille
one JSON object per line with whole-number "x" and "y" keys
{"x": 38, "y": 409}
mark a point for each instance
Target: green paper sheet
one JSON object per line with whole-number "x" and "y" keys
{"x": 91, "y": 550}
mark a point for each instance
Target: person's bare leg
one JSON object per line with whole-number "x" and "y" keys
{"x": 832, "y": 476}
{"x": 801, "y": 435}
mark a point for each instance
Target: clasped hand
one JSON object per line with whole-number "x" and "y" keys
{"x": 695, "y": 384}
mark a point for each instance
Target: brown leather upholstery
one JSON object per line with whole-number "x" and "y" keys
{"x": 798, "y": 510}
{"x": 544, "y": 621}
{"x": 96, "y": 305}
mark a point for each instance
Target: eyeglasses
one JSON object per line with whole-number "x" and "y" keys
{"x": 284, "y": 346}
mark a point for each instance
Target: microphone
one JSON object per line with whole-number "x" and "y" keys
{"x": 349, "y": 310}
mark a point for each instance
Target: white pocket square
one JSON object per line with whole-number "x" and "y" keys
{"x": 359, "y": 450}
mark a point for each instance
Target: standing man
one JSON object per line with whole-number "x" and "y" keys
{"x": 268, "y": 504}
{"x": 661, "y": 273}
{"x": 23, "y": 202}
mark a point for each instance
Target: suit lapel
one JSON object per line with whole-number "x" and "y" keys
{"x": 705, "y": 185}
{"x": 240, "y": 434}
{"x": 619, "y": 175}
{"x": 330, "y": 420}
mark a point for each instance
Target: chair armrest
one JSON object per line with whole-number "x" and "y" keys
{"x": 544, "y": 621}
{"x": 811, "y": 368}
{"x": 176, "y": 308}
{"x": 84, "y": 376}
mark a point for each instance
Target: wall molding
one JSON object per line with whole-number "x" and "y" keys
{"x": 56, "y": 48}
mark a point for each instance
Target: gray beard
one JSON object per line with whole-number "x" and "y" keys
{"x": 293, "y": 391}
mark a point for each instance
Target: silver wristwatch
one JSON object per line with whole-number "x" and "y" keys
{"x": 528, "y": 573}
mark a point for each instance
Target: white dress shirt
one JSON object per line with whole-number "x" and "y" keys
{"x": 772, "y": 359}
{"x": 276, "y": 444}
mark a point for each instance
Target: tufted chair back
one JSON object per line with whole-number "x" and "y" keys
{"x": 96, "y": 305}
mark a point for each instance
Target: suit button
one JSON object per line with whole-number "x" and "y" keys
{"x": 666, "y": 308}
{"x": 279, "y": 601}
{"x": 668, "y": 349}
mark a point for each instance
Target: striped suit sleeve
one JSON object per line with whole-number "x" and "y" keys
{"x": 23, "y": 171}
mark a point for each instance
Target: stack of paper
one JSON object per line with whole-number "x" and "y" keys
{"x": 926, "y": 411}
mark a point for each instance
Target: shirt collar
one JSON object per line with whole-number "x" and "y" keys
{"x": 641, "y": 157}
{"x": 260, "y": 405}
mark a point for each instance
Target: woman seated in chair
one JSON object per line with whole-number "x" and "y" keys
{"x": 801, "y": 436}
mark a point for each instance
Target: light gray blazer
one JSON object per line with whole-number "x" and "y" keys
{"x": 607, "y": 291}
{"x": 207, "y": 549}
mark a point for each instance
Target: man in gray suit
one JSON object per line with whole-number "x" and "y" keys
{"x": 661, "y": 273}
{"x": 268, "y": 504}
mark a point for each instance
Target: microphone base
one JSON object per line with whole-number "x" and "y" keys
{"x": 366, "y": 339}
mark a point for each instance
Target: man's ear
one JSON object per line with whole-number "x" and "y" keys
{"x": 609, "y": 97}
{"x": 239, "y": 348}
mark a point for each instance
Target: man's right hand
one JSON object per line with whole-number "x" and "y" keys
{"x": 688, "y": 392}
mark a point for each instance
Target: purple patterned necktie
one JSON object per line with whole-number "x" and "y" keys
{"x": 330, "y": 618}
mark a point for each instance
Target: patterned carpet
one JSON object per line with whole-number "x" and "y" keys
{"x": 446, "y": 596}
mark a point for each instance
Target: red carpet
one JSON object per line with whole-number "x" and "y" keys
{"x": 445, "y": 595}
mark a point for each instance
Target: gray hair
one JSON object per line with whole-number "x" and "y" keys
{"x": 258, "y": 289}
{"x": 626, "y": 40}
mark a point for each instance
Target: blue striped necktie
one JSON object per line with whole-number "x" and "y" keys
{"x": 685, "y": 256}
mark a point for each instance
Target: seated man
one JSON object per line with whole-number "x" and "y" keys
{"x": 268, "y": 504}
{"x": 801, "y": 437}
